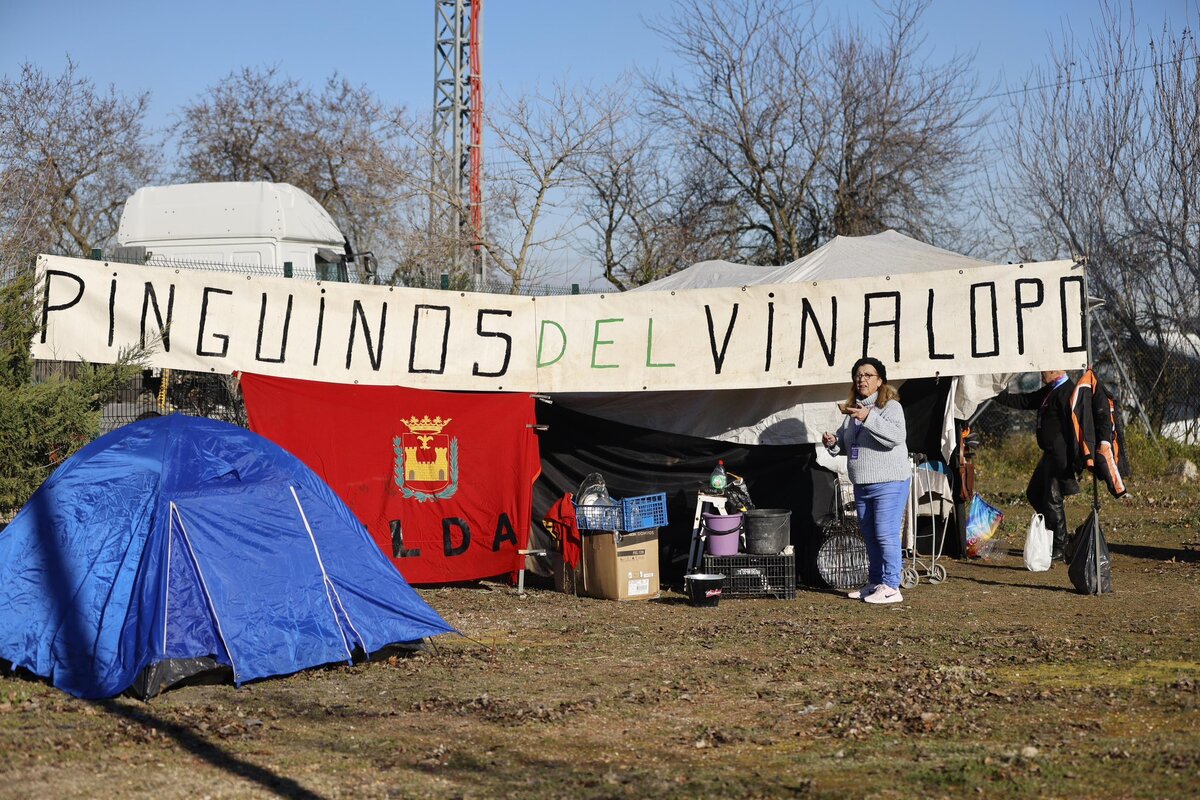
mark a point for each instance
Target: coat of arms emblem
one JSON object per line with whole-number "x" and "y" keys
{"x": 426, "y": 465}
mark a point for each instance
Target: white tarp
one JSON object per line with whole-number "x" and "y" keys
{"x": 706, "y": 275}
{"x": 989, "y": 319}
{"x": 887, "y": 253}
{"x": 794, "y": 414}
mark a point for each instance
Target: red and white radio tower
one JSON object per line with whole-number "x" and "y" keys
{"x": 458, "y": 127}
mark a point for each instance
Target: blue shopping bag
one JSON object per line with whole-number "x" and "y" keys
{"x": 983, "y": 520}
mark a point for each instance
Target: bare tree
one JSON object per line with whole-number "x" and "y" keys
{"x": 371, "y": 166}
{"x": 753, "y": 116}
{"x": 904, "y": 131}
{"x": 649, "y": 215}
{"x": 244, "y": 129}
{"x": 341, "y": 145}
{"x": 1104, "y": 162}
{"x": 805, "y": 132}
{"x": 69, "y": 157}
{"x": 540, "y": 143}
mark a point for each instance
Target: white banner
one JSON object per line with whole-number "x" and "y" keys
{"x": 1014, "y": 318}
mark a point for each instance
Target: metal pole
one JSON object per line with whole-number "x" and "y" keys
{"x": 1097, "y": 537}
{"x": 448, "y": 151}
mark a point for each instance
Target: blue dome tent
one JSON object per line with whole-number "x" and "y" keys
{"x": 178, "y": 544}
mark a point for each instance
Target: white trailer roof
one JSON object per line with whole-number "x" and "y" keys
{"x": 225, "y": 211}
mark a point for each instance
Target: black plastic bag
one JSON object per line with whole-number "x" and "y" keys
{"x": 1083, "y": 556}
{"x": 737, "y": 497}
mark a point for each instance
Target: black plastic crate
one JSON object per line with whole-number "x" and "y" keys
{"x": 755, "y": 576}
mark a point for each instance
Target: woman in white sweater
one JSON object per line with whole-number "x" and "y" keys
{"x": 873, "y": 436}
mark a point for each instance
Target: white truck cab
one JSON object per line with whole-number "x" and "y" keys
{"x": 260, "y": 227}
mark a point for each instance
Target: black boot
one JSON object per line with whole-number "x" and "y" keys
{"x": 1057, "y": 551}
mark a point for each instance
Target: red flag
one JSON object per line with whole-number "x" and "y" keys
{"x": 442, "y": 480}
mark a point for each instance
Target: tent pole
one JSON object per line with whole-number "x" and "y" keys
{"x": 1097, "y": 537}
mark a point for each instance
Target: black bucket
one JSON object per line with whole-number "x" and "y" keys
{"x": 703, "y": 589}
{"x": 768, "y": 530}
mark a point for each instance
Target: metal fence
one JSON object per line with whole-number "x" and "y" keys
{"x": 411, "y": 279}
{"x": 472, "y": 283}
{"x": 218, "y": 397}
{"x": 161, "y": 391}
{"x": 1157, "y": 389}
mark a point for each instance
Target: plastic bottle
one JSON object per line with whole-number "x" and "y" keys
{"x": 717, "y": 480}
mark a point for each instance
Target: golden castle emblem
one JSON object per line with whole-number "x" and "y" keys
{"x": 426, "y": 451}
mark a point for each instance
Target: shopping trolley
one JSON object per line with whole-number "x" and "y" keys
{"x": 930, "y": 496}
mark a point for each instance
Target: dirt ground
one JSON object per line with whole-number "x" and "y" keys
{"x": 997, "y": 683}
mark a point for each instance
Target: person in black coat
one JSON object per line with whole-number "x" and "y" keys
{"x": 1055, "y": 476}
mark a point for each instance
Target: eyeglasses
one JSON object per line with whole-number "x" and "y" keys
{"x": 862, "y": 376}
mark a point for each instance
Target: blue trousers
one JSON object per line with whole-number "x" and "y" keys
{"x": 880, "y": 509}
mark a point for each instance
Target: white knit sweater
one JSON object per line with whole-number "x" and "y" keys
{"x": 881, "y": 441}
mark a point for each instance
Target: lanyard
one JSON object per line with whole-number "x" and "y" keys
{"x": 1046, "y": 400}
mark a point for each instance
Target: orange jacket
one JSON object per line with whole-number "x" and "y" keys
{"x": 1094, "y": 419}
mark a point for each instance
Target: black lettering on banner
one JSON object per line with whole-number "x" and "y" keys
{"x": 894, "y": 322}
{"x": 1022, "y": 305}
{"x": 975, "y": 351}
{"x": 504, "y": 532}
{"x": 934, "y": 355}
{"x": 200, "y": 351}
{"x": 828, "y": 346}
{"x": 373, "y": 355}
{"x": 770, "y": 334}
{"x": 47, "y": 308}
{"x": 475, "y": 370}
{"x": 719, "y": 357}
{"x": 283, "y": 339}
{"x": 112, "y": 310}
{"x": 150, "y": 299}
{"x": 412, "y": 347}
{"x": 320, "y": 328}
{"x": 398, "y": 548}
{"x": 1062, "y": 297}
{"x": 447, "y": 540}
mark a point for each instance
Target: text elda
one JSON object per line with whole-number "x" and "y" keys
{"x": 1012, "y": 318}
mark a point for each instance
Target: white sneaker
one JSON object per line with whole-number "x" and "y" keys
{"x": 861, "y": 592}
{"x": 883, "y": 594}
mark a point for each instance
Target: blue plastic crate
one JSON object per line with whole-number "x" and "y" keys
{"x": 598, "y": 517}
{"x": 647, "y": 511}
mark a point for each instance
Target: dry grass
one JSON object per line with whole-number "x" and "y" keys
{"x": 1000, "y": 683}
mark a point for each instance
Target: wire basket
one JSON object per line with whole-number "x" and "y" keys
{"x": 755, "y": 576}
{"x": 842, "y": 556}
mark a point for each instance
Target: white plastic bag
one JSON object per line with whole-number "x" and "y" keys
{"x": 1037, "y": 545}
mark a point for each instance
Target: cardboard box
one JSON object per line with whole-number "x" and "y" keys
{"x": 620, "y": 566}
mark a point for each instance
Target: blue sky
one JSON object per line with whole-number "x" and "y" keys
{"x": 177, "y": 50}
